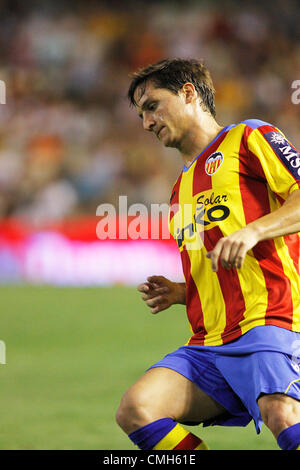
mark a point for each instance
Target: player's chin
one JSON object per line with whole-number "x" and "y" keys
{"x": 171, "y": 143}
{"x": 167, "y": 141}
{"x": 165, "y": 138}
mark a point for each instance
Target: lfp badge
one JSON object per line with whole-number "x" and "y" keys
{"x": 213, "y": 163}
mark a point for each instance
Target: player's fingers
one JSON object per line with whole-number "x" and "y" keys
{"x": 154, "y": 301}
{"x": 155, "y": 292}
{"x": 143, "y": 287}
{"x": 162, "y": 290}
{"x": 240, "y": 256}
{"x": 234, "y": 259}
{"x": 214, "y": 258}
{"x": 214, "y": 255}
{"x": 159, "y": 308}
{"x": 146, "y": 287}
{"x": 234, "y": 250}
{"x": 225, "y": 254}
{"x": 159, "y": 280}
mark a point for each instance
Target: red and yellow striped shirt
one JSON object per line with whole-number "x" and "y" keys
{"x": 245, "y": 173}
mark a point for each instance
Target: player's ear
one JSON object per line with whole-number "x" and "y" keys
{"x": 189, "y": 91}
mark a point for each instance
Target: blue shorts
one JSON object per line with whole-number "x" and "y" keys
{"x": 264, "y": 360}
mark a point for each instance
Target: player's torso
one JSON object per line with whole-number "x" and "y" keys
{"x": 210, "y": 197}
{"x": 213, "y": 197}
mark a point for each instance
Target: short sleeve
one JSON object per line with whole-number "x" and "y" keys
{"x": 273, "y": 157}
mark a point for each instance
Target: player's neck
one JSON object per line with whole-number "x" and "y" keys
{"x": 197, "y": 139}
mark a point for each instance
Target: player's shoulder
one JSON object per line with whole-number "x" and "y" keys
{"x": 255, "y": 123}
{"x": 255, "y": 128}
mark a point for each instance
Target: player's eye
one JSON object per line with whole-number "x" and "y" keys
{"x": 152, "y": 106}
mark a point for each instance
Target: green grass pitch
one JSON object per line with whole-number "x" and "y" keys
{"x": 70, "y": 355}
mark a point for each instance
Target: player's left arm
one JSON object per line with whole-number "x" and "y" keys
{"x": 230, "y": 251}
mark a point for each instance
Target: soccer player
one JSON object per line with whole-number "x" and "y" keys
{"x": 235, "y": 214}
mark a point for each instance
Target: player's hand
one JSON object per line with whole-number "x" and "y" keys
{"x": 160, "y": 293}
{"x": 230, "y": 251}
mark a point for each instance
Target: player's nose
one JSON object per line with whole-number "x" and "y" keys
{"x": 148, "y": 123}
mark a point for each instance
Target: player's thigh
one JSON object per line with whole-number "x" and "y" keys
{"x": 169, "y": 394}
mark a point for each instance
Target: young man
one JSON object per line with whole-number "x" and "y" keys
{"x": 235, "y": 214}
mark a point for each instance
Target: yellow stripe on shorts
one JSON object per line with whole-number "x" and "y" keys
{"x": 291, "y": 383}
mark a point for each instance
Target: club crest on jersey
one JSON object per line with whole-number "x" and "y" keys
{"x": 213, "y": 163}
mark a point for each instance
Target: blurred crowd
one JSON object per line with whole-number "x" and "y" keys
{"x": 69, "y": 140}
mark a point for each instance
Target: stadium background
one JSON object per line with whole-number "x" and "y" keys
{"x": 76, "y": 332}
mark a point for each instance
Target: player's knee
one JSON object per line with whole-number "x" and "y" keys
{"x": 279, "y": 412}
{"x": 126, "y": 411}
{"x": 274, "y": 419}
{"x": 134, "y": 411}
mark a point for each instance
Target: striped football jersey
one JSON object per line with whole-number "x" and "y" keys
{"x": 246, "y": 172}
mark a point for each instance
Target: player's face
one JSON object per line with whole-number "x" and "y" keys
{"x": 162, "y": 112}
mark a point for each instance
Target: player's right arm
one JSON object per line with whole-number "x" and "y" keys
{"x": 160, "y": 293}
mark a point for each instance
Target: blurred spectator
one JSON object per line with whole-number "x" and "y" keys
{"x": 68, "y": 139}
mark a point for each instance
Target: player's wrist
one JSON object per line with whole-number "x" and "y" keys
{"x": 255, "y": 231}
{"x": 180, "y": 293}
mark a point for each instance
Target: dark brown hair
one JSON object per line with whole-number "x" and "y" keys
{"x": 172, "y": 74}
